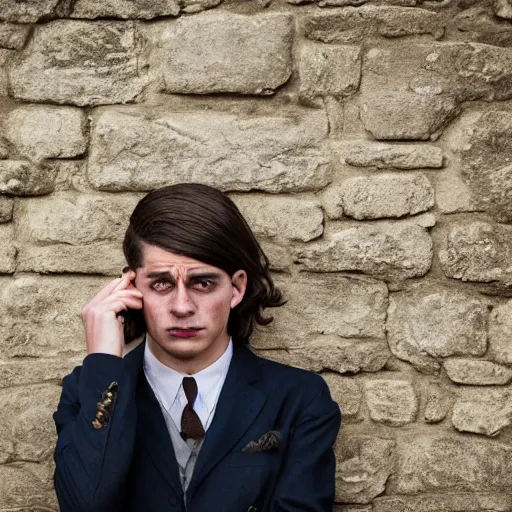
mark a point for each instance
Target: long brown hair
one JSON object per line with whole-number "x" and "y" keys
{"x": 202, "y": 223}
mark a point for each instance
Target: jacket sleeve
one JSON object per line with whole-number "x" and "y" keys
{"x": 307, "y": 479}
{"x": 92, "y": 464}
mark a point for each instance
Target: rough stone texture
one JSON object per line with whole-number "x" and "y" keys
{"x": 437, "y": 404}
{"x": 28, "y": 11}
{"x": 362, "y": 153}
{"x": 500, "y": 333}
{"x": 34, "y": 309}
{"x": 346, "y": 392}
{"x": 423, "y": 325}
{"x": 441, "y": 463}
{"x": 392, "y": 402}
{"x": 477, "y": 251}
{"x": 141, "y": 150}
{"x": 6, "y": 207}
{"x": 481, "y": 143}
{"x": 503, "y": 9}
{"x": 22, "y": 178}
{"x": 365, "y": 464}
{"x": 240, "y": 54}
{"x": 412, "y": 93}
{"x": 13, "y": 36}
{"x": 384, "y": 250}
{"x": 79, "y": 63}
{"x": 482, "y": 411}
{"x": 344, "y": 306}
{"x": 8, "y": 252}
{"x": 357, "y": 24}
{"x": 125, "y": 9}
{"x": 386, "y": 195}
{"x": 475, "y": 372}
{"x": 39, "y": 132}
{"x": 291, "y": 358}
{"x": 279, "y": 217}
{"x": 329, "y": 71}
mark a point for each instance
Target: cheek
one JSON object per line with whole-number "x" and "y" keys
{"x": 153, "y": 308}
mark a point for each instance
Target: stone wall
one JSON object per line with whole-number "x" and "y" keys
{"x": 368, "y": 144}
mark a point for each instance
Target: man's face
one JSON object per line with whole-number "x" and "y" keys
{"x": 186, "y": 307}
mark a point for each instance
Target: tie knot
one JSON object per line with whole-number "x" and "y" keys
{"x": 190, "y": 389}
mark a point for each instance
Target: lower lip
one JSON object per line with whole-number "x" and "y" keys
{"x": 184, "y": 334}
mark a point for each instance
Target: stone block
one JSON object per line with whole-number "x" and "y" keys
{"x": 28, "y": 11}
{"x": 34, "y": 309}
{"x": 482, "y": 411}
{"x": 386, "y": 250}
{"x": 193, "y": 6}
{"x": 477, "y": 251}
{"x": 442, "y": 463}
{"x": 344, "y": 306}
{"x": 363, "y": 153}
{"x": 290, "y": 358}
{"x": 423, "y": 325}
{"x": 364, "y": 465}
{"x": 226, "y": 52}
{"x": 141, "y": 150}
{"x": 8, "y": 253}
{"x": 13, "y": 36}
{"x": 414, "y": 92}
{"x": 386, "y": 195}
{"x": 5, "y": 55}
{"x": 392, "y": 402}
{"x": 437, "y": 403}
{"x": 346, "y": 392}
{"x": 500, "y": 333}
{"x": 476, "y": 372}
{"x": 38, "y": 132}
{"x": 28, "y": 429}
{"x": 80, "y": 63}
{"x": 125, "y": 9}
{"x": 282, "y": 217}
{"x": 480, "y": 143}
{"x": 6, "y": 207}
{"x": 358, "y": 24}
{"x": 329, "y": 70}
{"x": 503, "y": 9}
{"x": 21, "y": 178}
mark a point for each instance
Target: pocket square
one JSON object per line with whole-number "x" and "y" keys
{"x": 268, "y": 441}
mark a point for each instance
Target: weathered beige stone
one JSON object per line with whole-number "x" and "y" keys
{"x": 480, "y": 141}
{"x": 357, "y": 24}
{"x": 140, "y": 150}
{"x": 278, "y": 254}
{"x": 365, "y": 463}
{"x": 290, "y": 358}
{"x": 328, "y": 70}
{"x": 393, "y": 402}
{"x": 363, "y": 153}
{"x": 226, "y": 52}
{"x": 477, "y": 251}
{"x": 28, "y": 11}
{"x": 39, "y": 132}
{"x": 13, "y": 36}
{"x": 193, "y": 6}
{"x": 386, "y": 195}
{"x": 425, "y": 324}
{"x": 503, "y": 9}
{"x": 352, "y": 508}
{"x": 500, "y": 333}
{"x": 469, "y": 502}
{"x": 477, "y": 372}
{"x": 385, "y": 250}
{"x": 346, "y": 392}
{"x": 6, "y": 207}
{"x": 29, "y": 422}
{"x": 344, "y": 306}
{"x": 80, "y": 63}
{"x": 282, "y": 217}
{"x": 40, "y": 316}
{"x": 482, "y": 411}
{"x": 4, "y": 59}
{"x": 441, "y": 463}
{"x": 413, "y": 92}
{"x": 437, "y": 404}
{"x": 125, "y": 9}
{"x": 8, "y": 252}
{"x": 22, "y": 178}
{"x": 452, "y": 193}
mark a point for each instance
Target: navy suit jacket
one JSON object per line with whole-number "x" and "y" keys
{"x": 129, "y": 465}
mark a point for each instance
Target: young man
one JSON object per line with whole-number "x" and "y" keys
{"x": 190, "y": 420}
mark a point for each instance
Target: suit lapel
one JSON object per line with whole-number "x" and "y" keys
{"x": 238, "y": 406}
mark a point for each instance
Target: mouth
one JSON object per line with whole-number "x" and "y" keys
{"x": 184, "y": 332}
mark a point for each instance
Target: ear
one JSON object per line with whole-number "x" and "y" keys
{"x": 239, "y": 282}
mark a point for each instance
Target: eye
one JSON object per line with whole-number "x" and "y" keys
{"x": 161, "y": 286}
{"x": 203, "y": 284}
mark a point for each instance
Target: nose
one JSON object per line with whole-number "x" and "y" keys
{"x": 180, "y": 304}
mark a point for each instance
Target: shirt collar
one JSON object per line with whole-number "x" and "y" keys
{"x": 167, "y": 382}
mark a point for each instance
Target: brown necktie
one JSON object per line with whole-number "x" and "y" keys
{"x": 191, "y": 426}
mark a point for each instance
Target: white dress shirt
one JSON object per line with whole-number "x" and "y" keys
{"x": 167, "y": 386}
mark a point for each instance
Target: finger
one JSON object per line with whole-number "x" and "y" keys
{"x": 128, "y": 292}
{"x": 106, "y": 291}
{"x": 117, "y": 304}
{"x": 124, "y": 281}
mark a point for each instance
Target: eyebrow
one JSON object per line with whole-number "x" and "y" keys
{"x": 199, "y": 275}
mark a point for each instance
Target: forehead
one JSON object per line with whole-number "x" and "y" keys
{"x": 157, "y": 259}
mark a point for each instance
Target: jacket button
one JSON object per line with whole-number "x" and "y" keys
{"x": 252, "y": 509}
